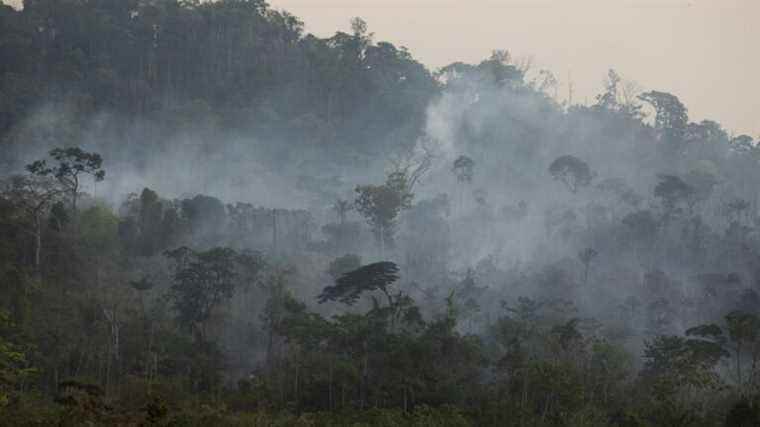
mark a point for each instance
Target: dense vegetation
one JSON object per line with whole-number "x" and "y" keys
{"x": 450, "y": 248}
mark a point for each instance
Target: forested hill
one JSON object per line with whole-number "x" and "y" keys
{"x": 232, "y": 65}
{"x": 210, "y": 218}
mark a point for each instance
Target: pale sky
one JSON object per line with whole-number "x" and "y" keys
{"x": 706, "y": 52}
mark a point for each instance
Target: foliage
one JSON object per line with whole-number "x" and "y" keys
{"x": 463, "y": 168}
{"x": 349, "y": 287}
{"x": 202, "y": 280}
{"x": 200, "y": 310}
{"x": 71, "y": 164}
{"x": 381, "y": 205}
{"x": 571, "y": 171}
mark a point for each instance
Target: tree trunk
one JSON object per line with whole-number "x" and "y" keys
{"x": 274, "y": 230}
{"x": 364, "y": 384}
{"x": 37, "y": 241}
{"x": 330, "y": 385}
{"x": 382, "y": 242}
{"x": 270, "y": 343}
{"x": 74, "y": 194}
{"x": 754, "y": 365}
{"x": 738, "y": 363}
{"x": 295, "y": 388}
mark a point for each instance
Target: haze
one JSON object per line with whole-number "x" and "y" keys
{"x": 704, "y": 52}
{"x": 210, "y": 217}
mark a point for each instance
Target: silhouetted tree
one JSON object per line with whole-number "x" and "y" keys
{"x": 351, "y": 285}
{"x": 571, "y": 171}
{"x": 71, "y": 165}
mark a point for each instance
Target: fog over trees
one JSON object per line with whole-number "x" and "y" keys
{"x": 210, "y": 217}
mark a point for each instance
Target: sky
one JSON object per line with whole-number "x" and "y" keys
{"x": 706, "y": 52}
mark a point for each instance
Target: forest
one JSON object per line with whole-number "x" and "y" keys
{"x": 209, "y": 217}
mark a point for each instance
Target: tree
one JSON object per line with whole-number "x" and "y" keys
{"x": 463, "y": 169}
{"x": 609, "y": 99}
{"x": 351, "y": 285}
{"x": 71, "y": 164}
{"x": 672, "y": 192}
{"x": 737, "y": 209}
{"x": 631, "y": 305}
{"x": 98, "y": 231}
{"x": 586, "y": 256}
{"x": 342, "y": 208}
{"x": 14, "y": 364}
{"x": 671, "y": 116}
{"x": 469, "y": 293}
{"x": 381, "y": 205}
{"x": 571, "y": 171}
{"x": 703, "y": 182}
{"x": 621, "y": 190}
{"x": 150, "y": 222}
{"x": 34, "y": 196}
{"x": 202, "y": 281}
{"x": 677, "y": 370}
{"x": 413, "y": 164}
{"x": 275, "y": 308}
{"x": 743, "y": 144}
{"x": 744, "y": 331}
{"x": 682, "y": 362}
{"x": 205, "y": 215}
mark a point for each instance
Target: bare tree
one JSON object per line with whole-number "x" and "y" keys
{"x": 32, "y": 196}
{"x": 415, "y": 163}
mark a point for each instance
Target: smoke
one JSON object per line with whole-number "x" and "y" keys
{"x": 199, "y": 158}
{"x": 513, "y": 216}
{"x": 516, "y": 226}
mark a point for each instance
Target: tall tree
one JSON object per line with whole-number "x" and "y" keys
{"x": 71, "y": 165}
{"x": 34, "y": 196}
{"x": 671, "y": 117}
{"x": 202, "y": 281}
{"x": 586, "y": 256}
{"x": 381, "y": 205}
{"x": 571, "y": 171}
{"x": 350, "y": 286}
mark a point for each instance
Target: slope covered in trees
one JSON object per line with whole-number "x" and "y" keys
{"x": 146, "y": 71}
{"x": 402, "y": 247}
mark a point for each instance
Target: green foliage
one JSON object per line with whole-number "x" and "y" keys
{"x": 104, "y": 332}
{"x": 351, "y": 285}
{"x": 14, "y": 367}
{"x": 671, "y": 115}
{"x": 676, "y": 363}
{"x": 202, "y": 280}
{"x": 743, "y": 326}
{"x": 71, "y": 164}
{"x": 382, "y": 204}
{"x": 138, "y": 64}
{"x": 150, "y": 217}
{"x": 99, "y": 230}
